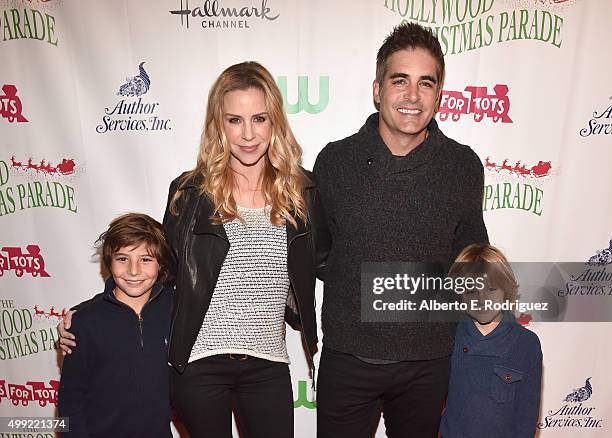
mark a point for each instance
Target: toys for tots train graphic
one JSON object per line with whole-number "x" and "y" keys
{"x": 31, "y": 262}
{"x": 23, "y": 395}
{"x": 478, "y": 102}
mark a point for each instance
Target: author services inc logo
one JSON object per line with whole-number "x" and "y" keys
{"x": 575, "y": 412}
{"x": 226, "y": 14}
{"x": 133, "y": 112}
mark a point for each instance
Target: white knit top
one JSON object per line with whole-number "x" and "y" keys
{"x": 247, "y": 310}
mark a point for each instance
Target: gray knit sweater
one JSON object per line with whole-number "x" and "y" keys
{"x": 424, "y": 207}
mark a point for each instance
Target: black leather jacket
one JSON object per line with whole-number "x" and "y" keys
{"x": 200, "y": 247}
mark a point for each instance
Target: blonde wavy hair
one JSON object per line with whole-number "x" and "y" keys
{"x": 283, "y": 179}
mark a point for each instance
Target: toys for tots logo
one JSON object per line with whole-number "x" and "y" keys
{"x": 515, "y": 184}
{"x": 10, "y": 105}
{"x": 31, "y": 262}
{"x": 24, "y": 334}
{"x": 132, "y": 112}
{"x": 477, "y": 102}
{"x": 575, "y": 413}
{"x": 42, "y": 184}
{"x": 37, "y": 392}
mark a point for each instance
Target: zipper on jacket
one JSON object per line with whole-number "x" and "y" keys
{"x": 140, "y": 319}
{"x": 138, "y": 315}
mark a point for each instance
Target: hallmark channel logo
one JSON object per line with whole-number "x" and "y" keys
{"x": 302, "y": 102}
{"x": 10, "y": 105}
{"x": 574, "y": 413}
{"x": 599, "y": 124}
{"x": 465, "y": 25}
{"x": 30, "y": 262}
{"x": 515, "y": 185}
{"x": 42, "y": 184}
{"x": 477, "y": 102}
{"x": 133, "y": 112}
{"x": 27, "y": 23}
{"x": 225, "y": 14}
{"x": 31, "y": 392}
{"x": 22, "y": 334}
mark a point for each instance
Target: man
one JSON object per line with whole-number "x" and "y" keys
{"x": 397, "y": 191}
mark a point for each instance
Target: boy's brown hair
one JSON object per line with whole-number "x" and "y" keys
{"x": 133, "y": 229}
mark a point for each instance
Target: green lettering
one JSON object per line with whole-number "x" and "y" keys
{"x": 36, "y": 16}
{"x": 16, "y": 19}
{"x": 51, "y": 28}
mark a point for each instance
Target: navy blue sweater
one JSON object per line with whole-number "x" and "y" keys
{"x": 115, "y": 382}
{"x": 494, "y": 388}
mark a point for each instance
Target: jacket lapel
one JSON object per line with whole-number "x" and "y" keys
{"x": 203, "y": 224}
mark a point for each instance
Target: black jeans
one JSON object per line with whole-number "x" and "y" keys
{"x": 351, "y": 395}
{"x": 258, "y": 389}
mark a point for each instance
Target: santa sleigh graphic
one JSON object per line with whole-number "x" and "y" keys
{"x": 541, "y": 169}
{"x": 66, "y": 167}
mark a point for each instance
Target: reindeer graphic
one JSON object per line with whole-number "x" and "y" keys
{"x": 489, "y": 163}
{"x": 38, "y": 312}
{"x": 31, "y": 166}
{"x": 136, "y": 86}
{"x": 15, "y": 164}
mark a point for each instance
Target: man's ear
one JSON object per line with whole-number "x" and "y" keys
{"x": 376, "y": 91}
{"x": 376, "y": 94}
{"x": 438, "y": 99}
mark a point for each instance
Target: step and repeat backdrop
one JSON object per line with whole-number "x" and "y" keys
{"x": 102, "y": 105}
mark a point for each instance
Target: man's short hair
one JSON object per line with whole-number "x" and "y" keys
{"x": 409, "y": 36}
{"x": 133, "y": 229}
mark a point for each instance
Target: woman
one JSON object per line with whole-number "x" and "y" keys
{"x": 243, "y": 225}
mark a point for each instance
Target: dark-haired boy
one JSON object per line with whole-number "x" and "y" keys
{"x": 115, "y": 384}
{"x": 399, "y": 190}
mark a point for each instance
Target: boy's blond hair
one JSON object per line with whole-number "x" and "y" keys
{"x": 479, "y": 259}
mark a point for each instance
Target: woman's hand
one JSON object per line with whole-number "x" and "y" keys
{"x": 66, "y": 339}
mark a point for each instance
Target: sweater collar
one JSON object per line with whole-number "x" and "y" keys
{"x": 109, "y": 286}
{"x": 426, "y": 151}
{"x": 502, "y": 328}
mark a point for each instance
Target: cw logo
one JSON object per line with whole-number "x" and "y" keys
{"x": 302, "y": 399}
{"x": 303, "y": 102}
